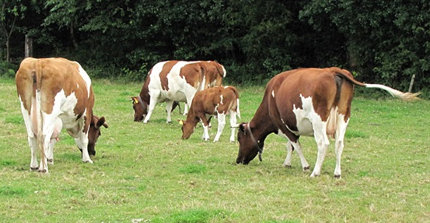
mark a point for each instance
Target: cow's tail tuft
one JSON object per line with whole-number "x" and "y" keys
{"x": 405, "y": 96}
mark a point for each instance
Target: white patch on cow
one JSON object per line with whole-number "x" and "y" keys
{"x": 273, "y": 93}
{"x": 65, "y": 107}
{"x": 221, "y": 124}
{"x": 205, "y": 133}
{"x": 203, "y": 84}
{"x": 77, "y": 86}
{"x": 221, "y": 99}
{"x": 305, "y": 117}
{"x": 86, "y": 78}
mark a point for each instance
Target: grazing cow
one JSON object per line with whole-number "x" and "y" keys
{"x": 308, "y": 102}
{"x": 175, "y": 81}
{"x": 56, "y": 93}
{"x": 218, "y": 101}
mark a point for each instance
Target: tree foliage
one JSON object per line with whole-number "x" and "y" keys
{"x": 385, "y": 41}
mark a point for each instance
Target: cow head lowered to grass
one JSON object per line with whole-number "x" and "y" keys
{"x": 56, "y": 93}
{"x": 140, "y": 108}
{"x": 308, "y": 101}
{"x": 94, "y": 133}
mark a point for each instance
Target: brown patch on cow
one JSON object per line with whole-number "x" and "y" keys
{"x": 193, "y": 74}
{"x": 163, "y": 74}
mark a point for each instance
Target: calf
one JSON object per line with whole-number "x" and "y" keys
{"x": 172, "y": 81}
{"x": 218, "y": 101}
{"x": 311, "y": 102}
{"x": 56, "y": 93}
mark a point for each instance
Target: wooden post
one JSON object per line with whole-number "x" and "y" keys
{"x": 28, "y": 46}
{"x": 412, "y": 83}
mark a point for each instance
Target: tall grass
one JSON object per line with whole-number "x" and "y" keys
{"x": 146, "y": 173}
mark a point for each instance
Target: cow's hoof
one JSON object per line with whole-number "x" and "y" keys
{"x": 287, "y": 165}
{"x": 337, "y": 176}
{"x": 314, "y": 175}
{"x": 50, "y": 161}
{"x": 42, "y": 171}
{"x": 34, "y": 168}
{"x": 87, "y": 161}
{"x": 306, "y": 168}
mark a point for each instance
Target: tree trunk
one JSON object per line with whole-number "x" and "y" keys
{"x": 28, "y": 46}
{"x": 72, "y": 36}
{"x": 7, "y": 50}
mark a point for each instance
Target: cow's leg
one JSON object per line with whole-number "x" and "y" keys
{"x": 33, "y": 147}
{"x": 233, "y": 124}
{"x": 169, "y": 105}
{"x": 340, "y": 135}
{"x": 53, "y": 140}
{"x": 289, "y": 148}
{"x": 151, "y": 106}
{"x": 221, "y": 124}
{"x": 50, "y": 152}
{"x": 82, "y": 142}
{"x": 185, "y": 109}
{"x": 49, "y": 124}
{"x": 205, "y": 127}
{"x": 298, "y": 149}
{"x": 322, "y": 141}
{"x": 32, "y": 141}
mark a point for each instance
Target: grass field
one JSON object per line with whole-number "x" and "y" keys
{"x": 146, "y": 173}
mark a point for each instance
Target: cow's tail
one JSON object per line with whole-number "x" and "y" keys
{"x": 405, "y": 96}
{"x": 224, "y": 72}
{"x": 37, "y": 78}
{"x": 221, "y": 70}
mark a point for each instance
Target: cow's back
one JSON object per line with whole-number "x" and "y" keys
{"x": 51, "y": 76}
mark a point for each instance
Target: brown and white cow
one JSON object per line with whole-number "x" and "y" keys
{"x": 174, "y": 80}
{"x": 308, "y": 102}
{"x": 219, "y": 101}
{"x": 56, "y": 93}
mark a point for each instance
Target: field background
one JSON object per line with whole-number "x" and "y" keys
{"x": 146, "y": 173}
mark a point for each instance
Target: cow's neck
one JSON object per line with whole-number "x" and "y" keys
{"x": 261, "y": 125}
{"x": 144, "y": 93}
{"x": 192, "y": 117}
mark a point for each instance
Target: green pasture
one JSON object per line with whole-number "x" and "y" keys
{"x": 146, "y": 173}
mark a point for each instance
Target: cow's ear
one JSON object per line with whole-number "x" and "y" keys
{"x": 242, "y": 128}
{"x": 101, "y": 122}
